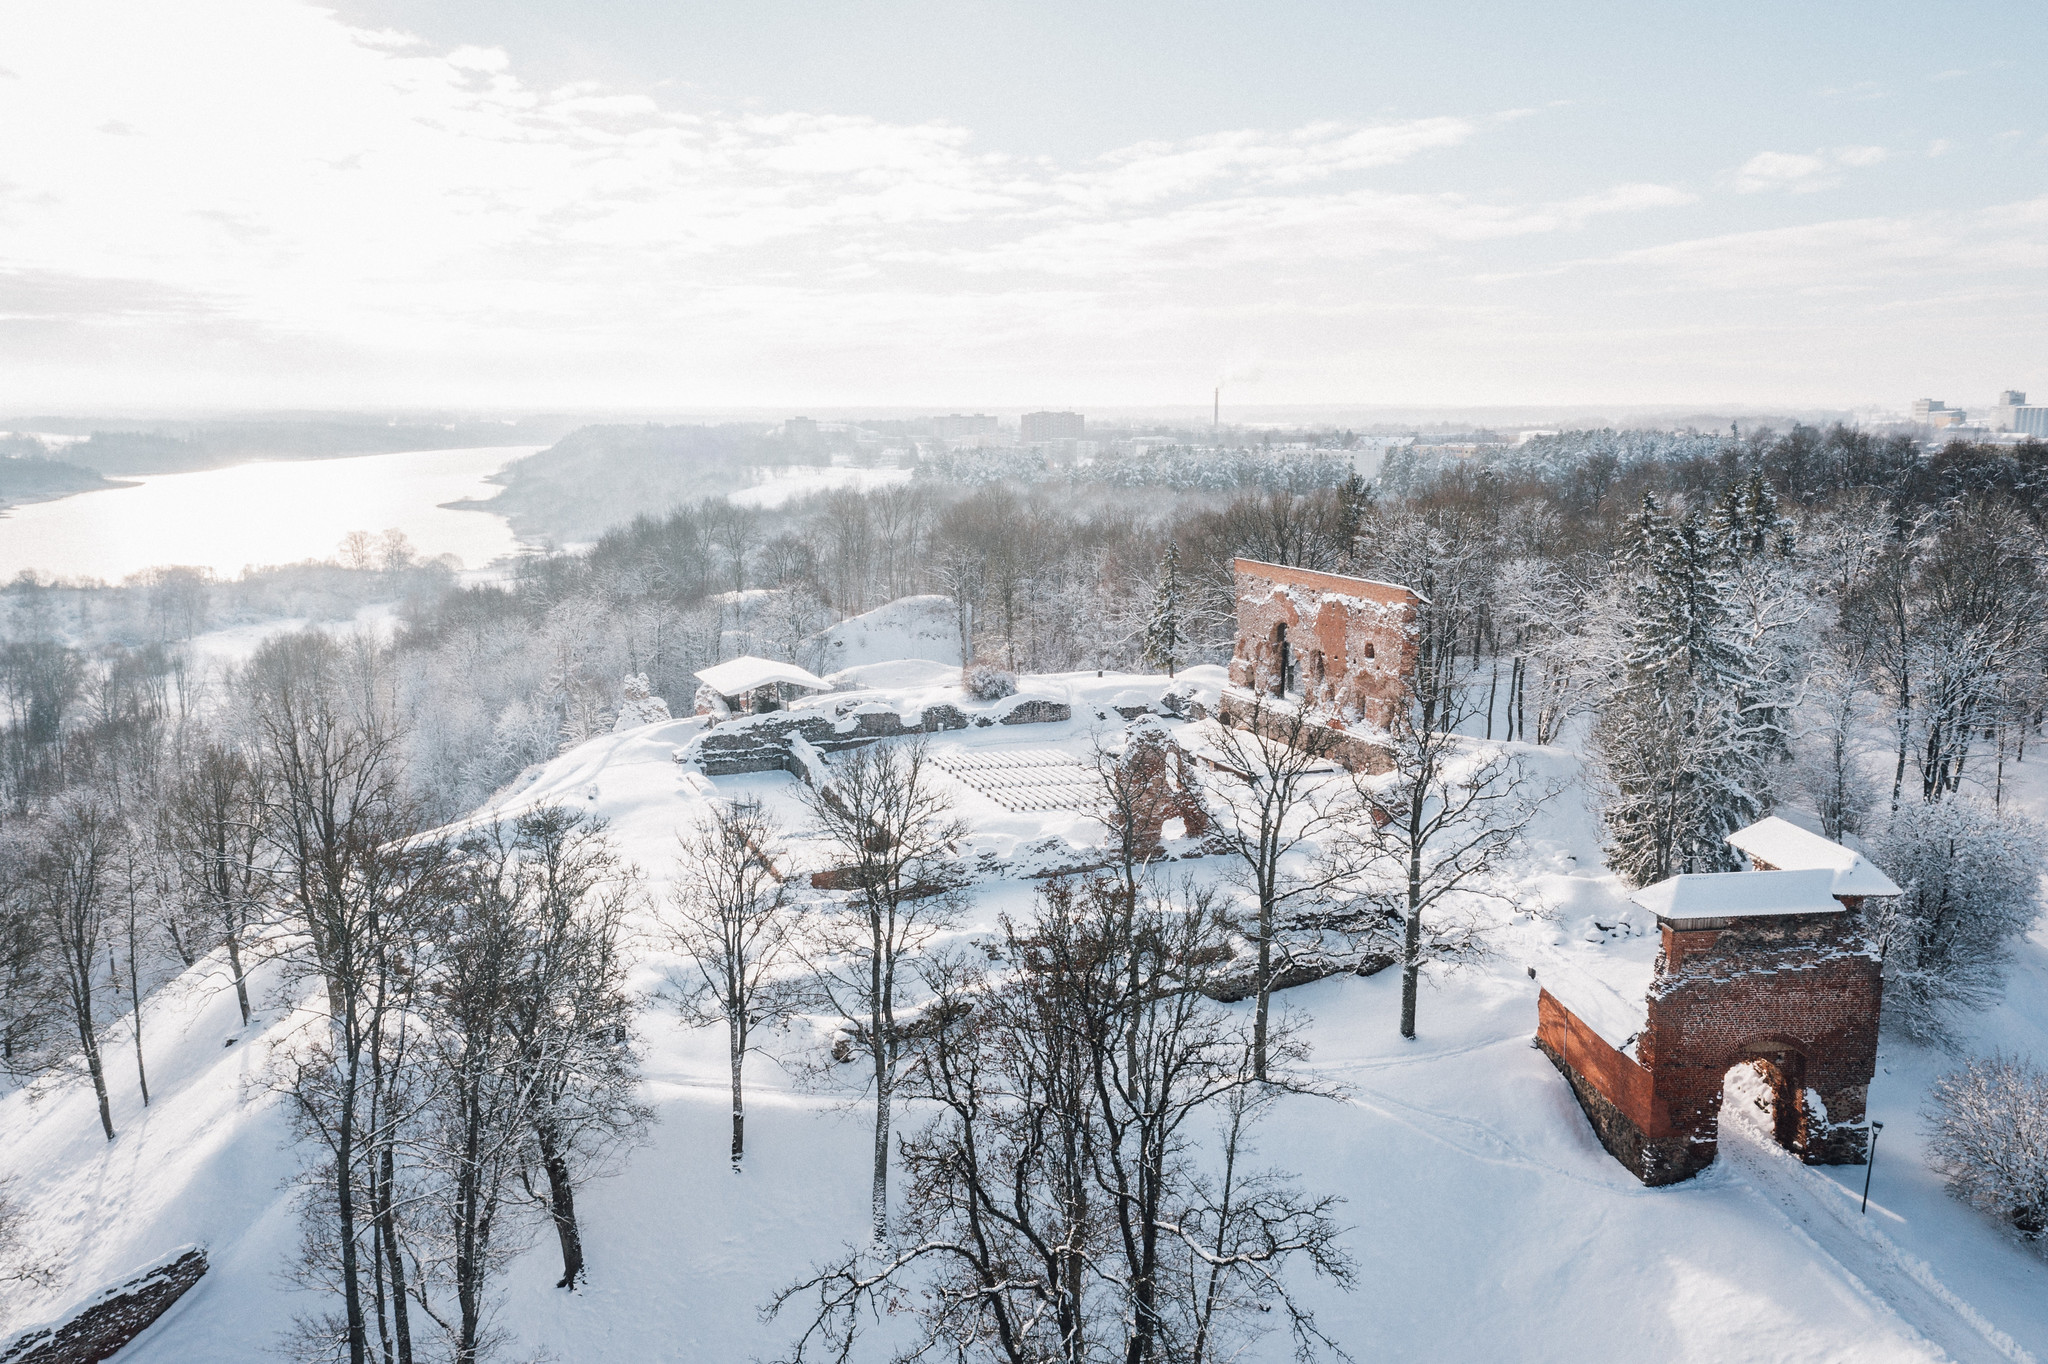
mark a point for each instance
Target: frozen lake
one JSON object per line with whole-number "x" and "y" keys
{"x": 264, "y": 513}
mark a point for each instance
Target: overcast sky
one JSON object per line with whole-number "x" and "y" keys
{"x": 666, "y": 204}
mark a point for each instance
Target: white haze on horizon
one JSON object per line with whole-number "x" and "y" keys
{"x": 252, "y": 203}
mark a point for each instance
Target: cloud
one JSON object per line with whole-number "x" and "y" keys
{"x": 1924, "y": 252}
{"x": 1801, "y": 172}
{"x": 320, "y": 214}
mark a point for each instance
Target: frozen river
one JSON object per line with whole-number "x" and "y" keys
{"x": 265, "y": 513}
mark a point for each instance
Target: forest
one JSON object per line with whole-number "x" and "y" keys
{"x": 1721, "y": 625}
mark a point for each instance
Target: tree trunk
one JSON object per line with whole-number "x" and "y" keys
{"x": 1411, "y": 949}
{"x": 135, "y": 1019}
{"x": 345, "y": 1211}
{"x": 241, "y": 981}
{"x": 1899, "y": 773}
{"x": 880, "y": 1196}
{"x": 1265, "y": 986}
{"x": 561, "y": 1204}
{"x": 387, "y": 1223}
{"x": 91, "y": 1046}
{"x": 737, "y": 1037}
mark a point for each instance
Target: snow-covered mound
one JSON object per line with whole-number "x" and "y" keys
{"x": 1487, "y": 1221}
{"x": 909, "y": 627}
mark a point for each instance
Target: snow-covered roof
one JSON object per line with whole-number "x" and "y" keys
{"x": 1741, "y": 894}
{"x": 738, "y": 676}
{"x": 1788, "y": 847}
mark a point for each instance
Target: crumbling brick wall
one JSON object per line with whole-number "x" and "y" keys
{"x": 1162, "y": 785}
{"x": 1352, "y": 640}
{"x": 1796, "y": 996}
{"x": 99, "y": 1328}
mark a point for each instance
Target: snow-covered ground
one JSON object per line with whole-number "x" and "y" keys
{"x": 1487, "y": 1222}
{"x": 778, "y": 486}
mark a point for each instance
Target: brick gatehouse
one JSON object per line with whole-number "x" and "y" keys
{"x": 1767, "y": 968}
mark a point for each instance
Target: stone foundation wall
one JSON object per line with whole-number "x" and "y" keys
{"x": 109, "y": 1321}
{"x": 767, "y": 743}
{"x": 1353, "y": 752}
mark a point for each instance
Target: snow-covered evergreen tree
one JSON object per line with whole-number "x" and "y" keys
{"x": 1695, "y": 717}
{"x": 1165, "y": 635}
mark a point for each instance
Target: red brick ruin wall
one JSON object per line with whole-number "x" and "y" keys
{"x": 1352, "y": 639}
{"x": 1798, "y": 996}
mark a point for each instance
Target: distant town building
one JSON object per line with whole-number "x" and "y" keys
{"x": 957, "y": 425}
{"x": 1935, "y": 412}
{"x": 1041, "y": 426}
{"x": 2012, "y": 414}
{"x": 803, "y": 430}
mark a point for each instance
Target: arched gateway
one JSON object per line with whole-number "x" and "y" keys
{"x": 1766, "y": 967}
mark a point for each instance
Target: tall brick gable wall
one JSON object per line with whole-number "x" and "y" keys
{"x": 1797, "y": 997}
{"x": 1352, "y": 639}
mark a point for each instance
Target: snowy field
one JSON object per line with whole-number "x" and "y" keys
{"x": 778, "y": 486}
{"x": 1487, "y": 1222}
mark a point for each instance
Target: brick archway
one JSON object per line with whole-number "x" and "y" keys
{"x": 1790, "y": 984}
{"x": 1783, "y": 1070}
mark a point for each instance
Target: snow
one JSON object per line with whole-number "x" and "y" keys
{"x": 1487, "y": 1220}
{"x": 1787, "y": 847}
{"x": 738, "y": 676}
{"x": 1741, "y": 894}
{"x": 925, "y": 627}
{"x": 780, "y": 485}
{"x": 1610, "y": 997}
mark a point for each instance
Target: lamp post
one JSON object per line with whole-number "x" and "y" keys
{"x": 1871, "y": 1165}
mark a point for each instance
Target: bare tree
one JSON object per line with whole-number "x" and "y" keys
{"x": 1444, "y": 821}
{"x": 1972, "y": 886}
{"x": 19, "y": 1264}
{"x": 730, "y": 914}
{"x": 891, "y": 826}
{"x": 212, "y": 823}
{"x": 353, "y": 878}
{"x": 1058, "y": 1208}
{"x": 1279, "y": 801}
{"x": 68, "y": 882}
{"x": 1830, "y": 765}
{"x": 571, "y": 1016}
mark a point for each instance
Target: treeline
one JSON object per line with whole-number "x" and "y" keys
{"x": 450, "y": 1031}
{"x": 1180, "y": 468}
{"x": 180, "y": 447}
{"x": 28, "y": 472}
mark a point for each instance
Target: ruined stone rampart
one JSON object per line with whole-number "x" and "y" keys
{"x": 770, "y": 742}
{"x": 106, "y": 1322}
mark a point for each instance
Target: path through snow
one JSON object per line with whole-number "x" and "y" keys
{"x": 1823, "y": 1213}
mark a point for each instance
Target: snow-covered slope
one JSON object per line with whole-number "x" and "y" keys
{"x": 909, "y": 627}
{"x": 1487, "y": 1221}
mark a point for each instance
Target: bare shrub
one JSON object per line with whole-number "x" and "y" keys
{"x": 1990, "y": 1139}
{"x": 988, "y": 682}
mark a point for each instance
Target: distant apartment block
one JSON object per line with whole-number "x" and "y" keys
{"x": 1935, "y": 412}
{"x": 957, "y": 425}
{"x": 1043, "y": 426}
{"x": 2012, "y": 414}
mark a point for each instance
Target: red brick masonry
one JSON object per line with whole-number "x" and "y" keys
{"x": 1795, "y": 996}
{"x": 1351, "y": 640}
